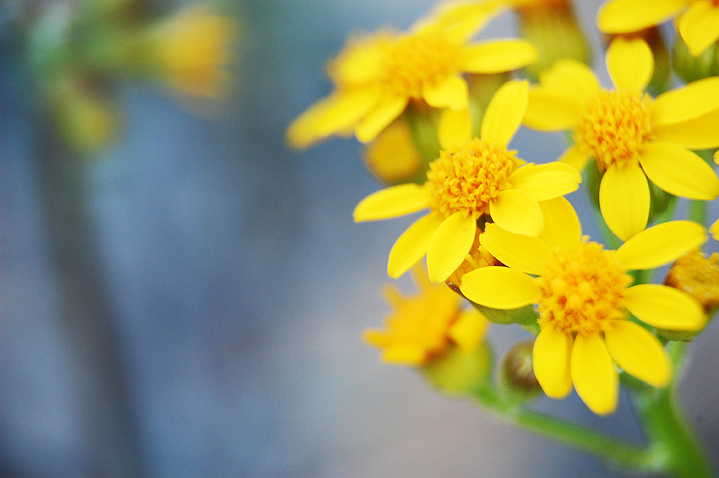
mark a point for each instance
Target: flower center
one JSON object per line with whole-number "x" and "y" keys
{"x": 583, "y": 288}
{"x": 426, "y": 57}
{"x": 614, "y": 127}
{"x": 468, "y": 176}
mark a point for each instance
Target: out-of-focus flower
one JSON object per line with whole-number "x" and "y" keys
{"x": 393, "y": 157}
{"x": 378, "y": 75}
{"x": 477, "y": 178}
{"x": 424, "y": 325}
{"x": 631, "y": 136}
{"x": 698, "y": 276}
{"x": 190, "y": 50}
{"x": 583, "y": 295}
{"x": 698, "y": 24}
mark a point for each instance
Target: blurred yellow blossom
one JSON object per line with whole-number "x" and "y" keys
{"x": 393, "y": 157}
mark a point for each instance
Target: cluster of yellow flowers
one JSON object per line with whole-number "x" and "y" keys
{"x": 499, "y": 231}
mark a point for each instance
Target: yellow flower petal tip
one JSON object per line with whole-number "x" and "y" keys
{"x": 391, "y": 202}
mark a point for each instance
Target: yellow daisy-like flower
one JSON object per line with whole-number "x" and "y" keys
{"x": 584, "y": 296}
{"x": 698, "y": 24}
{"x": 424, "y": 325}
{"x": 477, "y": 178}
{"x": 632, "y": 136}
{"x": 378, "y": 75}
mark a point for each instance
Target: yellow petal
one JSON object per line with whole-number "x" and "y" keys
{"x": 575, "y": 158}
{"x": 392, "y": 202}
{"x": 504, "y": 112}
{"x": 303, "y": 130}
{"x": 594, "y": 374}
{"x": 500, "y": 288}
{"x": 550, "y": 359}
{"x": 664, "y": 307}
{"x": 545, "y": 181}
{"x": 638, "y": 352}
{"x": 450, "y": 93}
{"x": 660, "y": 244}
{"x": 449, "y": 245}
{"x": 515, "y": 211}
{"x": 562, "y": 228}
{"x": 679, "y": 171}
{"x": 386, "y": 111}
{"x": 688, "y": 102}
{"x": 550, "y": 111}
{"x": 714, "y": 230}
{"x": 460, "y": 21}
{"x": 698, "y": 133}
{"x": 624, "y": 200}
{"x": 524, "y": 253}
{"x": 347, "y": 109}
{"x": 699, "y": 26}
{"x": 625, "y": 16}
{"x": 410, "y": 355}
{"x": 455, "y": 127}
{"x": 569, "y": 77}
{"x": 412, "y": 244}
{"x": 497, "y": 56}
{"x": 469, "y": 329}
{"x": 630, "y": 64}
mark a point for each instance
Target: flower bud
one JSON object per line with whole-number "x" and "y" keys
{"x": 517, "y": 372}
{"x": 458, "y": 372}
{"x": 393, "y": 157}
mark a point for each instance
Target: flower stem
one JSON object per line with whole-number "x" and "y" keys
{"x": 698, "y": 211}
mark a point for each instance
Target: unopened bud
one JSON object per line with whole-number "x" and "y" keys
{"x": 517, "y": 372}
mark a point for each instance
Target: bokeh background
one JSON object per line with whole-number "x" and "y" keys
{"x": 189, "y": 301}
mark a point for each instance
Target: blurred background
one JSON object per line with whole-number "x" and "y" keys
{"x": 188, "y": 301}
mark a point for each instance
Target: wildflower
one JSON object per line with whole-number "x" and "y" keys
{"x": 631, "y": 136}
{"x": 584, "y": 296}
{"x": 393, "y": 157}
{"x": 477, "y": 179}
{"x": 698, "y": 24}
{"x": 378, "y": 75}
{"x": 190, "y": 50}
{"x": 424, "y": 325}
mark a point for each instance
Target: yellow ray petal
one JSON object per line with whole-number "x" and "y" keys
{"x": 624, "y": 200}
{"x": 714, "y": 230}
{"x": 347, "y": 109}
{"x": 562, "y": 228}
{"x": 460, "y": 21}
{"x": 575, "y": 158}
{"x": 455, "y": 127}
{"x": 500, "y": 287}
{"x": 624, "y": 16}
{"x": 524, "y": 253}
{"x": 686, "y": 103}
{"x": 449, "y": 245}
{"x": 664, "y": 307}
{"x": 410, "y": 355}
{"x": 551, "y": 111}
{"x": 698, "y": 133}
{"x": 630, "y": 64}
{"x": 571, "y": 78}
{"x": 679, "y": 171}
{"x": 412, "y": 244}
{"x": 469, "y": 329}
{"x": 497, "y": 56}
{"x": 303, "y": 130}
{"x": 392, "y": 202}
{"x": 515, "y": 211}
{"x": 504, "y": 112}
{"x": 550, "y": 359}
{"x": 660, "y": 244}
{"x": 638, "y": 352}
{"x": 380, "y": 117}
{"x": 450, "y": 93}
{"x": 545, "y": 181}
{"x": 699, "y": 26}
{"x": 594, "y": 374}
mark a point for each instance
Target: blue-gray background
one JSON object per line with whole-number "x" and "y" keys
{"x": 193, "y": 307}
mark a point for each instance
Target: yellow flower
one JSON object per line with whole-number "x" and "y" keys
{"x": 632, "y": 136}
{"x": 376, "y": 76}
{"x": 424, "y": 325}
{"x": 583, "y": 295}
{"x": 191, "y": 49}
{"x": 698, "y": 24}
{"x": 478, "y": 178}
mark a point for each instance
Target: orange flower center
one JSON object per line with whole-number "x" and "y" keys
{"x": 468, "y": 176}
{"x": 582, "y": 289}
{"x": 426, "y": 57}
{"x": 614, "y": 127}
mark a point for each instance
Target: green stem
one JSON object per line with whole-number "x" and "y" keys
{"x": 698, "y": 211}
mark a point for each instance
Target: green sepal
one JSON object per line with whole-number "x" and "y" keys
{"x": 525, "y": 316}
{"x": 458, "y": 372}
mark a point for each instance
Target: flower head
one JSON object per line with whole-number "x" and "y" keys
{"x": 377, "y": 75}
{"x": 424, "y": 325}
{"x": 479, "y": 178}
{"x": 698, "y": 19}
{"x": 631, "y": 136}
{"x": 584, "y": 296}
